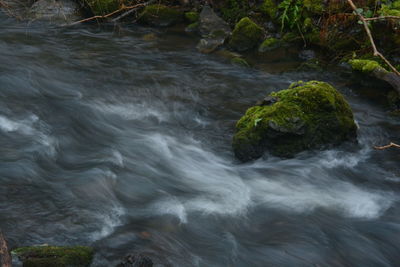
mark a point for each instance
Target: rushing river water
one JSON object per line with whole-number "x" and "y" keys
{"x": 123, "y": 143}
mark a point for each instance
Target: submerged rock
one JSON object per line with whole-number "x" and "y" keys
{"x": 136, "y": 260}
{"x": 246, "y": 35}
{"x": 55, "y": 10}
{"x": 160, "y": 15}
{"x": 54, "y": 256}
{"x": 213, "y": 30}
{"x": 307, "y": 115}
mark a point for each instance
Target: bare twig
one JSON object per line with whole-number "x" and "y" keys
{"x": 387, "y": 146}
{"x": 371, "y": 39}
{"x": 382, "y": 18}
{"x": 5, "y": 256}
{"x": 123, "y": 8}
{"x": 132, "y": 10}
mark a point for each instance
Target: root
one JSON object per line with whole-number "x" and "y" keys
{"x": 387, "y": 146}
{"x": 5, "y": 256}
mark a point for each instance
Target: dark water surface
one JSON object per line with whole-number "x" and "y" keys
{"x": 119, "y": 142}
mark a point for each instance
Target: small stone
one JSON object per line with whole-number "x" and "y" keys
{"x": 136, "y": 260}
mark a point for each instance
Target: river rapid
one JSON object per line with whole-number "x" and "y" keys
{"x": 122, "y": 142}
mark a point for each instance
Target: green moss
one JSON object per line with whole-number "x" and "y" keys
{"x": 234, "y": 10}
{"x": 160, "y": 15}
{"x": 239, "y": 62}
{"x": 192, "y": 16}
{"x": 245, "y": 35}
{"x": 269, "y": 8}
{"x": 102, "y": 7}
{"x": 307, "y": 115}
{"x": 291, "y": 37}
{"x": 363, "y": 65}
{"x": 392, "y": 9}
{"x": 193, "y": 27}
{"x": 269, "y": 44}
{"x": 314, "y": 6}
{"x": 49, "y": 256}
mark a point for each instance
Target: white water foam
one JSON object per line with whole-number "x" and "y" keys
{"x": 110, "y": 221}
{"x": 32, "y": 127}
{"x": 225, "y": 189}
{"x": 131, "y": 111}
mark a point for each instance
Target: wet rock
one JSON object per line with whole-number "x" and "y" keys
{"x": 305, "y": 116}
{"x": 192, "y": 16}
{"x": 160, "y": 15}
{"x": 393, "y": 98}
{"x": 54, "y": 256}
{"x": 307, "y": 54}
{"x": 268, "y": 100}
{"x": 193, "y": 27}
{"x": 18, "y": 9}
{"x": 269, "y": 44}
{"x": 63, "y": 11}
{"x": 238, "y": 61}
{"x": 213, "y": 30}
{"x": 136, "y": 260}
{"x": 246, "y": 35}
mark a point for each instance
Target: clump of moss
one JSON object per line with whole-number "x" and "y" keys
{"x": 102, "y": 7}
{"x": 42, "y": 256}
{"x": 192, "y": 16}
{"x": 269, "y": 8}
{"x": 314, "y": 6}
{"x": 246, "y": 35}
{"x": 193, "y": 27}
{"x": 160, "y": 15}
{"x": 307, "y": 115}
{"x": 269, "y": 44}
{"x": 392, "y": 9}
{"x": 364, "y": 65}
{"x": 239, "y": 62}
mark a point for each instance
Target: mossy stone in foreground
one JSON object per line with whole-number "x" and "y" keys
{"x": 307, "y": 115}
{"x": 160, "y": 15}
{"x": 50, "y": 256}
{"x": 246, "y": 35}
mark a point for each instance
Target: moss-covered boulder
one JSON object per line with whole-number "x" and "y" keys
{"x": 102, "y": 7}
{"x": 307, "y": 115}
{"x": 269, "y": 44}
{"x": 160, "y": 15}
{"x": 246, "y": 35}
{"x": 49, "y": 256}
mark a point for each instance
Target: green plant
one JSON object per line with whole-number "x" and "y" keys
{"x": 291, "y": 15}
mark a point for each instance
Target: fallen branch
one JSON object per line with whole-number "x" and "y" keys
{"x": 382, "y": 18}
{"x": 123, "y": 8}
{"x": 371, "y": 39}
{"x": 387, "y": 146}
{"x": 5, "y": 256}
{"x": 132, "y": 10}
